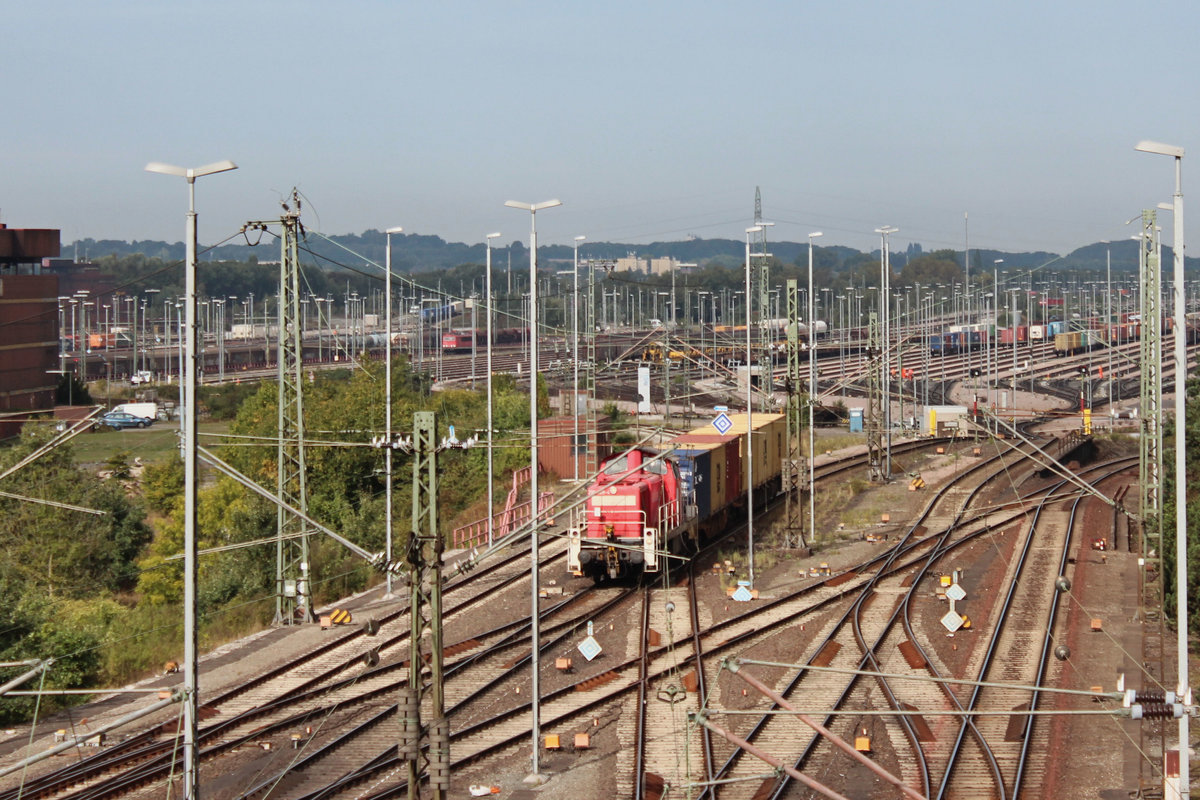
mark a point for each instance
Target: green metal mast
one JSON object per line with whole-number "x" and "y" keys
{"x": 1150, "y": 410}
{"x": 292, "y": 597}
{"x": 795, "y": 466}
{"x": 425, "y": 628}
{"x": 1150, "y": 464}
{"x": 876, "y": 470}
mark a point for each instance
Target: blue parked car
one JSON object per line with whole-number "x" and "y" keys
{"x": 119, "y": 420}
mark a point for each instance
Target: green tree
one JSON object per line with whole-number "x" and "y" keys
{"x": 162, "y": 483}
{"x": 932, "y": 268}
{"x": 52, "y": 551}
{"x": 60, "y": 568}
{"x": 1170, "y": 498}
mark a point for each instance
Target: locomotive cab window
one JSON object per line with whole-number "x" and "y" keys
{"x": 617, "y": 466}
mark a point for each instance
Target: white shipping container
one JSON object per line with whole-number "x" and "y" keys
{"x": 940, "y": 415}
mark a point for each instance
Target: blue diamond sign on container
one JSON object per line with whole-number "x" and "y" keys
{"x": 722, "y": 423}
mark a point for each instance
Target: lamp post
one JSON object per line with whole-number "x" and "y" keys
{"x": 145, "y": 306}
{"x": 62, "y": 323}
{"x": 85, "y": 305}
{"x": 812, "y": 392}
{"x": 146, "y": 310}
{"x": 993, "y": 344}
{"x": 885, "y": 269}
{"x": 1108, "y": 317}
{"x": 575, "y": 357}
{"x": 488, "y": 290}
{"x": 1181, "y": 586}
{"x": 191, "y": 761}
{"x": 387, "y": 402}
{"x": 133, "y": 332}
{"x": 749, "y": 428}
{"x": 535, "y": 661}
{"x": 1012, "y": 312}
{"x": 179, "y": 336}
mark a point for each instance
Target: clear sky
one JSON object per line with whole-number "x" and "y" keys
{"x": 649, "y": 120}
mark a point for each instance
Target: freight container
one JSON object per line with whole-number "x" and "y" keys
{"x": 1021, "y": 332}
{"x": 942, "y": 420}
{"x": 1077, "y": 341}
{"x": 726, "y": 464}
{"x": 696, "y": 474}
{"x": 769, "y": 446}
{"x": 1037, "y": 333}
{"x": 1067, "y": 343}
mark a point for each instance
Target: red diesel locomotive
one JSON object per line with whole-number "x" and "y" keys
{"x": 645, "y": 505}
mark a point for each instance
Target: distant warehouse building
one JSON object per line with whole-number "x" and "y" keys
{"x": 29, "y": 343}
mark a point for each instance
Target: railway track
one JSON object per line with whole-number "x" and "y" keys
{"x": 849, "y": 642}
{"x": 1024, "y": 624}
{"x": 339, "y": 657}
{"x": 357, "y": 761}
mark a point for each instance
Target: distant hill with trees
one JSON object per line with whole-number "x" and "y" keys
{"x": 414, "y": 252}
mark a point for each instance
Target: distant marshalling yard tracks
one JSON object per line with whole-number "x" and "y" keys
{"x": 329, "y": 716}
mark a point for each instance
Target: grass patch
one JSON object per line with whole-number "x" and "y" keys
{"x": 860, "y": 517}
{"x": 836, "y": 440}
{"x": 152, "y": 445}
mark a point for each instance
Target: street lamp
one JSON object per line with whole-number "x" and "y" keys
{"x": 812, "y": 393}
{"x": 219, "y": 305}
{"x": 387, "y": 415}
{"x": 488, "y": 289}
{"x": 191, "y": 759}
{"x": 885, "y": 268}
{"x": 1012, "y": 312}
{"x": 993, "y": 344}
{"x": 1108, "y": 320}
{"x": 148, "y": 362}
{"x": 1181, "y": 586}
{"x": 533, "y": 208}
{"x": 749, "y": 427}
{"x": 704, "y": 357}
{"x": 575, "y": 357}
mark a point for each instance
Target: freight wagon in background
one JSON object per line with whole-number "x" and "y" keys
{"x": 645, "y": 502}
{"x": 103, "y": 341}
{"x": 1020, "y": 333}
{"x": 457, "y": 340}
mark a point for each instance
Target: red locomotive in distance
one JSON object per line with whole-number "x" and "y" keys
{"x": 462, "y": 339}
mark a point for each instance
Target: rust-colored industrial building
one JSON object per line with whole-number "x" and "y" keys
{"x": 29, "y": 344}
{"x": 558, "y": 454}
